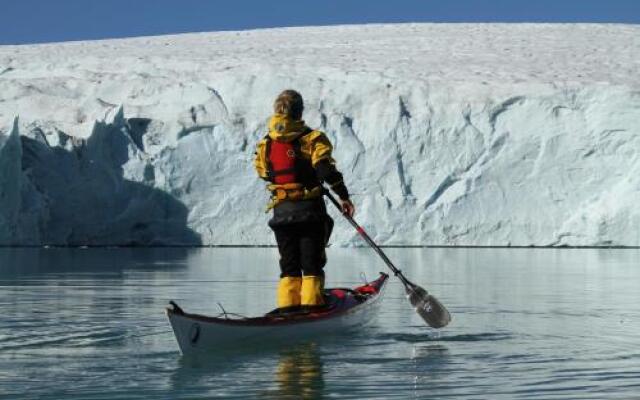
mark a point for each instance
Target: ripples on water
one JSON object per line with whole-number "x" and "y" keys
{"x": 534, "y": 324}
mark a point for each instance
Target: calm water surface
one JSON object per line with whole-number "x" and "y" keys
{"x": 528, "y": 324}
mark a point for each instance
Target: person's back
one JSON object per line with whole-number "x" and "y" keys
{"x": 296, "y": 160}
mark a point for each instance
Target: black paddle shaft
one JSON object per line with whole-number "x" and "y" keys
{"x": 370, "y": 242}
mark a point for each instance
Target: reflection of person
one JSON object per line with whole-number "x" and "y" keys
{"x": 299, "y": 374}
{"x": 296, "y": 159}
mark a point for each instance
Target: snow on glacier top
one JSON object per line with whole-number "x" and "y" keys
{"x": 75, "y": 83}
{"x": 480, "y": 53}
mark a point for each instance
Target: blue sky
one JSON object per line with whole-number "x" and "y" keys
{"x": 34, "y": 21}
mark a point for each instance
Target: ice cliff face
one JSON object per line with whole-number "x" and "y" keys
{"x": 447, "y": 134}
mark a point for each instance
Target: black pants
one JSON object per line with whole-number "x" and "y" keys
{"x": 302, "y": 247}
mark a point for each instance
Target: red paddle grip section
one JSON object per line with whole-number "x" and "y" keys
{"x": 360, "y": 230}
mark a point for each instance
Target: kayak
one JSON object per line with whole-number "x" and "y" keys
{"x": 344, "y": 311}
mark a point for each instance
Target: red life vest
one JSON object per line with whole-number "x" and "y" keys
{"x": 286, "y": 164}
{"x": 282, "y": 157}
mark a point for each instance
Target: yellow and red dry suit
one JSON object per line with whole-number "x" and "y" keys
{"x": 296, "y": 160}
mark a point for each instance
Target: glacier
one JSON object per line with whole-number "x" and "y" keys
{"x": 447, "y": 134}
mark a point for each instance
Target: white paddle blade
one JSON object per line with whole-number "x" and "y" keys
{"x": 428, "y": 307}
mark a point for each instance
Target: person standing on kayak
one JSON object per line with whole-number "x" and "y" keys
{"x": 296, "y": 160}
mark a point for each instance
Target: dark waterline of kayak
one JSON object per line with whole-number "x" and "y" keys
{"x": 527, "y": 323}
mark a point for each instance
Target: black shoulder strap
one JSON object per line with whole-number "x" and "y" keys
{"x": 296, "y": 142}
{"x": 267, "y": 152}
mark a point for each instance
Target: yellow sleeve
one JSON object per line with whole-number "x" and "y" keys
{"x": 260, "y": 160}
{"x": 318, "y": 147}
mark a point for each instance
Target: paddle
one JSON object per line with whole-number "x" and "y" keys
{"x": 427, "y": 306}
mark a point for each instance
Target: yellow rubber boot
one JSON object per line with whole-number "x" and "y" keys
{"x": 311, "y": 293}
{"x": 289, "y": 291}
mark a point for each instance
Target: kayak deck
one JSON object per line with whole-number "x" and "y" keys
{"x": 338, "y": 300}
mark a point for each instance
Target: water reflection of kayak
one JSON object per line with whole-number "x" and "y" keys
{"x": 345, "y": 310}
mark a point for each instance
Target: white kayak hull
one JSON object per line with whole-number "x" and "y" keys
{"x": 198, "y": 334}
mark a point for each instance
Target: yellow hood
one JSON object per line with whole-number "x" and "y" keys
{"x": 284, "y": 129}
